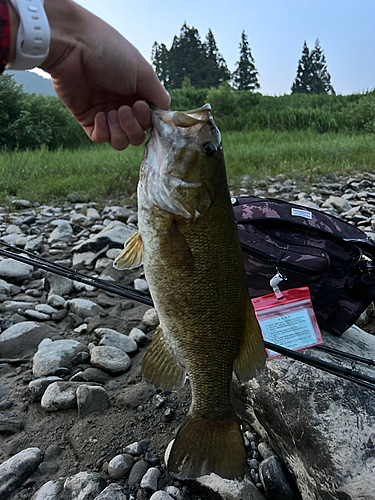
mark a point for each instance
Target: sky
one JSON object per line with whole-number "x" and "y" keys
{"x": 276, "y": 31}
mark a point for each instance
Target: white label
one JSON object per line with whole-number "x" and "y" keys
{"x": 293, "y": 331}
{"x": 299, "y": 212}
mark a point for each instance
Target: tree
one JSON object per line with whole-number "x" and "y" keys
{"x": 312, "y": 74}
{"x": 217, "y": 69}
{"x": 188, "y": 57}
{"x": 245, "y": 76}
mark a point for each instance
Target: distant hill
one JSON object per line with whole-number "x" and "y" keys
{"x": 32, "y": 83}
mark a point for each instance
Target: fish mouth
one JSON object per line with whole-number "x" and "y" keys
{"x": 180, "y": 119}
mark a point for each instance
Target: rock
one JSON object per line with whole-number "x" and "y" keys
{"x": 45, "y": 308}
{"x": 138, "y": 471}
{"x": 115, "y": 323}
{"x": 58, "y": 285}
{"x": 330, "y": 419}
{"x": 150, "y": 479}
{"x": 22, "y": 339}
{"x": 56, "y": 301}
{"x": 132, "y": 397}
{"x": 274, "y": 481}
{"x": 140, "y": 284}
{"x": 83, "y": 486}
{"x": 138, "y": 336}
{"x": 53, "y": 355}
{"x": 95, "y": 375}
{"x": 91, "y": 399}
{"x": 17, "y": 469}
{"x": 113, "y": 236}
{"x": 115, "y": 339}
{"x": 112, "y": 492}
{"x": 176, "y": 494}
{"x": 150, "y": 318}
{"x": 4, "y": 287}
{"x": 84, "y": 308}
{"x": 37, "y": 387}
{"x": 63, "y": 232}
{"x": 49, "y": 491}
{"x": 161, "y": 495}
{"x": 123, "y": 214}
{"x": 14, "y": 271}
{"x": 110, "y": 359}
{"x": 340, "y": 204}
{"x": 265, "y": 450}
{"x": 38, "y": 316}
{"x": 60, "y": 396}
{"x": 229, "y": 490}
{"x": 10, "y": 426}
{"x": 34, "y": 243}
{"x": 80, "y": 219}
{"x": 119, "y": 466}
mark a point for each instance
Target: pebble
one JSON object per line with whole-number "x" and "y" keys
{"x": 150, "y": 318}
{"x": 110, "y": 359}
{"x": 273, "y": 480}
{"x": 14, "y": 271}
{"x": 37, "y": 387}
{"x": 137, "y": 472}
{"x": 176, "y": 494}
{"x": 161, "y": 495}
{"x": 83, "y": 486}
{"x": 95, "y": 375}
{"x": 84, "y": 308}
{"x": 112, "y": 338}
{"x": 265, "y": 450}
{"x": 150, "y": 479}
{"x": 53, "y": 355}
{"x": 38, "y": 316}
{"x": 59, "y": 396}
{"x": 120, "y": 465}
{"x": 56, "y": 301}
{"x": 112, "y": 492}
{"x": 139, "y": 337}
{"x": 17, "y": 469}
{"x": 91, "y": 399}
{"x": 49, "y": 491}
{"x": 141, "y": 284}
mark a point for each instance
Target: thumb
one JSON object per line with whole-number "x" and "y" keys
{"x": 153, "y": 91}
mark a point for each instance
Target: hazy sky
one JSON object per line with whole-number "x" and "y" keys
{"x": 276, "y": 31}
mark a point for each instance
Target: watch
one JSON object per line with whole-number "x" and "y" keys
{"x": 33, "y": 37}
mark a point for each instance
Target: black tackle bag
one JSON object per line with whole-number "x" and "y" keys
{"x": 311, "y": 248}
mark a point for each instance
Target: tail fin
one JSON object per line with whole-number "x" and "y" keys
{"x": 203, "y": 446}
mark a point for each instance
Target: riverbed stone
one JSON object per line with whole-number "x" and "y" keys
{"x": 110, "y": 359}
{"x": 23, "y": 338}
{"x": 51, "y": 490}
{"x": 112, "y": 338}
{"x": 53, "y": 355}
{"x": 120, "y": 465}
{"x": 112, "y": 492}
{"x": 38, "y": 386}
{"x": 17, "y": 469}
{"x": 62, "y": 232}
{"x": 58, "y": 285}
{"x": 59, "y": 396}
{"x": 84, "y": 308}
{"x": 91, "y": 399}
{"x": 13, "y": 271}
{"x": 83, "y": 486}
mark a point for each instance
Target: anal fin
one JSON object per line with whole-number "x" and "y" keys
{"x": 252, "y": 354}
{"x": 161, "y": 365}
{"x": 132, "y": 254}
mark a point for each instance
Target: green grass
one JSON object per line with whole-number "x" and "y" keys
{"x": 98, "y": 172}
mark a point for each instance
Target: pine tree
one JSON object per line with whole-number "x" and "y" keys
{"x": 217, "y": 69}
{"x": 312, "y": 74}
{"x": 159, "y": 56}
{"x": 245, "y": 76}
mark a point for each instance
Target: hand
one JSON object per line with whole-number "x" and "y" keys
{"x": 100, "y": 77}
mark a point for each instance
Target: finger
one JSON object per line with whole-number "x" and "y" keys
{"x": 99, "y": 132}
{"x": 129, "y": 124}
{"x": 152, "y": 90}
{"x": 142, "y": 113}
{"x": 118, "y": 139}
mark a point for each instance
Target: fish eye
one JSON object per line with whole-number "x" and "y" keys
{"x": 209, "y": 149}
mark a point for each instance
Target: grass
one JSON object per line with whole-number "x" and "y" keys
{"x": 97, "y": 172}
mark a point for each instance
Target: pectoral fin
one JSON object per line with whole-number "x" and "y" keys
{"x": 252, "y": 354}
{"x": 132, "y": 255}
{"x": 162, "y": 366}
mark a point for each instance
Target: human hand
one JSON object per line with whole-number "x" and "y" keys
{"x": 100, "y": 77}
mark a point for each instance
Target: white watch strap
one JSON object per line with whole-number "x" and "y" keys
{"x": 33, "y": 36}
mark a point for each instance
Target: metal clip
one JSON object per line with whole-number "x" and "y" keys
{"x": 274, "y": 283}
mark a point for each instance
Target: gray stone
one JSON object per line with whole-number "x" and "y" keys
{"x": 134, "y": 396}
{"x": 51, "y": 490}
{"x": 34, "y": 243}
{"x": 120, "y": 465}
{"x": 38, "y": 386}
{"x": 138, "y": 471}
{"x": 150, "y": 318}
{"x": 91, "y": 399}
{"x": 274, "y": 481}
{"x": 265, "y": 450}
{"x": 84, "y": 308}
{"x": 229, "y": 490}
{"x": 22, "y": 339}
{"x": 60, "y": 396}
{"x": 53, "y": 355}
{"x": 83, "y": 259}
{"x": 16, "y": 305}
{"x": 121, "y": 325}
{"x": 114, "y": 235}
{"x": 17, "y": 469}
{"x": 176, "y": 493}
{"x": 38, "y": 316}
{"x": 80, "y": 219}
{"x": 141, "y": 284}
{"x": 4, "y": 287}
{"x": 83, "y": 486}
{"x": 14, "y": 271}
{"x": 63, "y": 232}
{"x": 112, "y": 492}
{"x": 110, "y": 359}
{"x": 112, "y": 338}
{"x": 161, "y": 495}
{"x": 56, "y": 301}
{"x": 150, "y": 479}
{"x": 338, "y": 203}
{"x": 95, "y": 375}
{"x": 93, "y": 214}
{"x": 58, "y": 285}
{"x": 45, "y": 308}
{"x": 331, "y": 419}
{"x": 138, "y": 336}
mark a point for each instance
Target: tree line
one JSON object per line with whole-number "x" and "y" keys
{"x": 204, "y": 66}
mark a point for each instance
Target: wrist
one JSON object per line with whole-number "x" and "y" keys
{"x": 14, "y": 25}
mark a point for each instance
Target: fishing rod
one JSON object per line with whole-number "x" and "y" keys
{"x": 145, "y": 298}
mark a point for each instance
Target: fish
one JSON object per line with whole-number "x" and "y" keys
{"x": 188, "y": 244}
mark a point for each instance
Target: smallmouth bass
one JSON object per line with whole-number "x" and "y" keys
{"x": 188, "y": 243}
